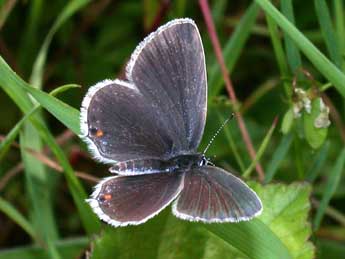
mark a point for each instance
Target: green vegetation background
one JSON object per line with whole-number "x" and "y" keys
{"x": 51, "y": 52}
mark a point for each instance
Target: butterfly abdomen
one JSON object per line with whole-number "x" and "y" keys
{"x": 146, "y": 166}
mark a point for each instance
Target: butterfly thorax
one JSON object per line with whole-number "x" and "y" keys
{"x": 149, "y": 166}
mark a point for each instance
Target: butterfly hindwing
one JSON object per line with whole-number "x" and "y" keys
{"x": 132, "y": 200}
{"x": 211, "y": 194}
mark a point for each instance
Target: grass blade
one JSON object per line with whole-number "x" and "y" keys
{"x": 232, "y": 143}
{"x": 327, "y": 30}
{"x": 340, "y": 28}
{"x": 318, "y": 162}
{"x": 262, "y": 244}
{"x": 6, "y": 143}
{"x": 68, "y": 248}
{"x": 63, "y": 112}
{"x": 327, "y": 68}
{"x": 279, "y": 52}
{"x": 278, "y": 157}
{"x": 261, "y": 150}
{"x": 233, "y": 48}
{"x": 37, "y": 73}
{"x": 293, "y": 55}
{"x": 38, "y": 184}
{"x": 331, "y": 187}
{"x": 16, "y": 88}
{"x": 20, "y": 220}
{"x": 11, "y": 136}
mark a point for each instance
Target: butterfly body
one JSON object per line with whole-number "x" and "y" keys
{"x": 149, "y": 128}
{"x": 150, "y": 166}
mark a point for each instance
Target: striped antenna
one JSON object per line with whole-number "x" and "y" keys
{"x": 217, "y": 132}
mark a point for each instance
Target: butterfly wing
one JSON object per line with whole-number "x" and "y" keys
{"x": 161, "y": 112}
{"x": 211, "y": 194}
{"x": 169, "y": 69}
{"x": 119, "y": 124}
{"x": 132, "y": 200}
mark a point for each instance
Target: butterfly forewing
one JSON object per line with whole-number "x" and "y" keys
{"x": 131, "y": 200}
{"x": 122, "y": 125}
{"x": 211, "y": 194}
{"x": 169, "y": 69}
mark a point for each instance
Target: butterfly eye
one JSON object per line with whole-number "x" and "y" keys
{"x": 203, "y": 161}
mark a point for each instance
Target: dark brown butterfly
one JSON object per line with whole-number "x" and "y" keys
{"x": 149, "y": 128}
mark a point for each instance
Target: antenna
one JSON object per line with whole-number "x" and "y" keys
{"x": 217, "y": 132}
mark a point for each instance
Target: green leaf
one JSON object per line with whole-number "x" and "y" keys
{"x": 286, "y": 212}
{"x": 287, "y": 122}
{"x": 315, "y": 136}
{"x": 327, "y": 68}
{"x": 331, "y": 186}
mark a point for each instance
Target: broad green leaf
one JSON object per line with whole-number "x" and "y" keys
{"x": 327, "y": 68}
{"x": 286, "y": 212}
{"x": 315, "y": 136}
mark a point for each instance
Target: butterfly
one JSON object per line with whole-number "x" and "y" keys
{"x": 149, "y": 127}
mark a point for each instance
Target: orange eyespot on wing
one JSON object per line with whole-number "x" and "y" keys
{"x": 99, "y": 133}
